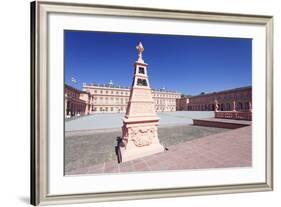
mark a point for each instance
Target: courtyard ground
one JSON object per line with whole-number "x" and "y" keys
{"x": 91, "y": 140}
{"x": 110, "y": 120}
{"x": 232, "y": 148}
{"x": 88, "y": 150}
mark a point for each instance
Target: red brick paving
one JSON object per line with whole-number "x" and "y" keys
{"x": 227, "y": 149}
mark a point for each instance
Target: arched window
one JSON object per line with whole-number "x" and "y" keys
{"x": 240, "y": 106}
{"x": 222, "y": 107}
{"x": 228, "y": 106}
{"x": 246, "y": 106}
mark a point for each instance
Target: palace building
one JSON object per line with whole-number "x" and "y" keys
{"x": 76, "y": 101}
{"x": 237, "y": 99}
{"x": 110, "y": 98}
{"x": 182, "y": 103}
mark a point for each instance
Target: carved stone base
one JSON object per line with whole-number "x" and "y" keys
{"x": 139, "y": 139}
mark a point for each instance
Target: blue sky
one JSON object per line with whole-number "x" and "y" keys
{"x": 188, "y": 64}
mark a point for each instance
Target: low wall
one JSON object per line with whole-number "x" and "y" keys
{"x": 219, "y": 124}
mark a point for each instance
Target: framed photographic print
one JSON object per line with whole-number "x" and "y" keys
{"x": 135, "y": 103}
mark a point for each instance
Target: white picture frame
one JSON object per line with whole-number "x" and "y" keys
{"x": 43, "y": 190}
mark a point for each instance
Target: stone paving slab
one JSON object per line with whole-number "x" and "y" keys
{"x": 223, "y": 150}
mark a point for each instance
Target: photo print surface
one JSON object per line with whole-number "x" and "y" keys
{"x": 146, "y": 102}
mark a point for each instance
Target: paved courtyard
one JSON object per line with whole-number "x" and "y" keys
{"x": 232, "y": 148}
{"x": 108, "y": 120}
{"x": 90, "y": 146}
{"x": 87, "y": 150}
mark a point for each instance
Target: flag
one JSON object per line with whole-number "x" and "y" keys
{"x": 73, "y": 80}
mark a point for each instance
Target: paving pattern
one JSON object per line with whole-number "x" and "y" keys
{"x": 231, "y": 148}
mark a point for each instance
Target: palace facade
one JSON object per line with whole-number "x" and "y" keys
{"x": 182, "y": 103}
{"x": 239, "y": 99}
{"x": 75, "y": 101}
{"x": 109, "y": 98}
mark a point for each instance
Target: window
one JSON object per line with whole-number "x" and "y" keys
{"x": 141, "y": 70}
{"x": 141, "y": 82}
{"x": 101, "y": 91}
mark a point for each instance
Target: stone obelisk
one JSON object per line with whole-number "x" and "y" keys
{"x": 139, "y": 131}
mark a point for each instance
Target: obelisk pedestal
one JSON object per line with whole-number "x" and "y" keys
{"x": 140, "y": 124}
